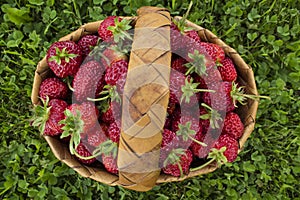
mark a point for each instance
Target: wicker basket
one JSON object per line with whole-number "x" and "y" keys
{"x": 246, "y": 112}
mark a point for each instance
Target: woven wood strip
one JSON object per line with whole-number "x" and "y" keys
{"x": 145, "y": 100}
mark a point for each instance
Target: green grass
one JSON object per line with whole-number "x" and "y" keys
{"x": 267, "y": 35}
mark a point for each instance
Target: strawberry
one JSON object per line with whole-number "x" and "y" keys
{"x": 88, "y": 81}
{"x": 214, "y": 51}
{"x": 112, "y": 113}
{"x": 117, "y": 70}
{"x": 108, "y": 151}
{"x": 233, "y": 125}
{"x": 113, "y": 53}
{"x": 227, "y": 70}
{"x": 227, "y": 96}
{"x": 231, "y": 144}
{"x": 54, "y": 88}
{"x": 87, "y": 43}
{"x": 178, "y": 63}
{"x": 177, "y": 162}
{"x": 83, "y": 154}
{"x": 88, "y": 113}
{"x": 115, "y": 28}
{"x": 169, "y": 139}
{"x": 209, "y": 118}
{"x": 110, "y": 164}
{"x": 193, "y": 35}
{"x": 46, "y": 117}
{"x": 96, "y": 136}
{"x": 64, "y": 58}
{"x": 114, "y": 131}
{"x": 221, "y": 100}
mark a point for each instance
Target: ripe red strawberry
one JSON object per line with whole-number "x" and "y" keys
{"x": 182, "y": 90}
{"x": 193, "y": 35}
{"x": 54, "y": 88}
{"x": 169, "y": 139}
{"x": 175, "y": 39}
{"x": 47, "y": 116}
{"x": 214, "y": 51}
{"x": 233, "y": 125}
{"x": 209, "y": 118}
{"x": 221, "y": 100}
{"x": 231, "y": 144}
{"x": 96, "y": 136}
{"x": 83, "y": 151}
{"x": 110, "y": 164}
{"x": 116, "y": 70}
{"x": 88, "y": 114}
{"x": 112, "y": 54}
{"x": 227, "y": 70}
{"x": 88, "y": 81}
{"x": 178, "y": 63}
{"x": 113, "y": 27}
{"x": 177, "y": 162}
{"x": 64, "y": 58}
{"x": 87, "y": 43}
{"x": 112, "y": 114}
{"x": 114, "y": 131}
{"x": 108, "y": 151}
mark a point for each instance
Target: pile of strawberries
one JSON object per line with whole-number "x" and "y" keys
{"x": 82, "y": 98}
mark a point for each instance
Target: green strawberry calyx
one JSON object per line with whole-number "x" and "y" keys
{"x": 197, "y": 65}
{"x": 174, "y": 157}
{"x": 215, "y": 155}
{"x": 189, "y": 89}
{"x": 62, "y": 54}
{"x": 238, "y": 95}
{"x": 119, "y": 30}
{"x": 213, "y": 115}
{"x": 73, "y": 127}
{"x": 107, "y": 148}
{"x": 108, "y": 92}
{"x": 41, "y": 115}
{"x": 181, "y": 24}
{"x": 186, "y": 133}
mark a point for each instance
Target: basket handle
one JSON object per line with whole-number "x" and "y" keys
{"x": 145, "y": 100}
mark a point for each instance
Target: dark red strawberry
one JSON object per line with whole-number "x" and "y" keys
{"x": 176, "y": 39}
{"x": 108, "y": 150}
{"x": 233, "y": 125}
{"x": 54, "y": 88}
{"x": 113, "y": 54}
{"x": 114, "y": 28}
{"x": 227, "y": 70}
{"x": 221, "y": 99}
{"x": 88, "y": 114}
{"x": 178, "y": 63}
{"x": 193, "y": 35}
{"x": 114, "y": 131}
{"x": 214, "y": 51}
{"x": 169, "y": 139}
{"x": 87, "y": 43}
{"x": 231, "y": 144}
{"x": 177, "y": 162}
{"x": 96, "y": 136}
{"x": 116, "y": 70}
{"x": 209, "y": 118}
{"x": 47, "y": 116}
{"x": 83, "y": 152}
{"x": 88, "y": 81}
{"x": 110, "y": 164}
{"x": 112, "y": 114}
{"x": 64, "y": 58}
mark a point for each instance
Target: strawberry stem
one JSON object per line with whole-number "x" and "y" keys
{"x": 62, "y": 54}
{"x": 198, "y": 142}
{"x": 202, "y": 166}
